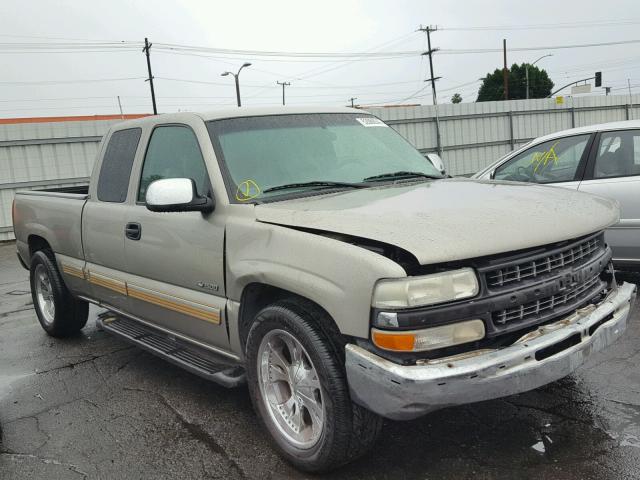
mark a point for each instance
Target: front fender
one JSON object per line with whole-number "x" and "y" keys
{"x": 335, "y": 275}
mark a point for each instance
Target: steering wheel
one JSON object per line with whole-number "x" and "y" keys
{"x": 522, "y": 174}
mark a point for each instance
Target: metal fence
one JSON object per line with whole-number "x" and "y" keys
{"x": 51, "y": 154}
{"x": 39, "y": 155}
{"x": 476, "y": 134}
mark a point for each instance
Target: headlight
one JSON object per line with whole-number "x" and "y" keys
{"x": 429, "y": 338}
{"x": 425, "y": 290}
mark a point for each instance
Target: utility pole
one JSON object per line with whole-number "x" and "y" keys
{"x": 433, "y": 79}
{"x": 351, "y": 100}
{"x": 505, "y": 72}
{"x": 284, "y": 84}
{"x": 147, "y": 47}
{"x": 120, "y": 107}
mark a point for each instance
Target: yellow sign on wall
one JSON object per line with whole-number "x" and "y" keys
{"x": 559, "y": 100}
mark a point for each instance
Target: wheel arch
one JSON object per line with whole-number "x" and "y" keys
{"x": 257, "y": 295}
{"x": 37, "y": 243}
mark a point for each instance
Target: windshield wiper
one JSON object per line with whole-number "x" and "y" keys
{"x": 400, "y": 174}
{"x": 314, "y": 183}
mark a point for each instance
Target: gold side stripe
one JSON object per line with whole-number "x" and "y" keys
{"x": 73, "y": 271}
{"x": 115, "y": 285}
{"x": 195, "y": 312}
{"x": 128, "y": 290}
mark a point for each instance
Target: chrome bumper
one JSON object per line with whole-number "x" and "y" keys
{"x": 540, "y": 357}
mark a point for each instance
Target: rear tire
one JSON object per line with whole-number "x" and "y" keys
{"x": 60, "y": 314}
{"x": 298, "y": 388}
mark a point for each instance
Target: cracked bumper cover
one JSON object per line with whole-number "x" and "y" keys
{"x": 404, "y": 392}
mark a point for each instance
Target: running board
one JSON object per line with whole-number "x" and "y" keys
{"x": 196, "y": 360}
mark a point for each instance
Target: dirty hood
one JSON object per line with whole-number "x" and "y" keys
{"x": 451, "y": 219}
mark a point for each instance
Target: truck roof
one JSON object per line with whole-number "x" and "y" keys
{"x": 234, "y": 112}
{"x": 277, "y": 110}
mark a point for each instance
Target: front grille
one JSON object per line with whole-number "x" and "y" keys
{"x": 544, "y": 264}
{"x": 546, "y": 305}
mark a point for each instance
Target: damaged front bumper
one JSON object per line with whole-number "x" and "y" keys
{"x": 547, "y": 354}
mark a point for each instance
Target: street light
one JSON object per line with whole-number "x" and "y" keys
{"x": 526, "y": 70}
{"x": 235, "y": 76}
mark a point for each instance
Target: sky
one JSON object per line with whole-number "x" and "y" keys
{"x": 41, "y": 75}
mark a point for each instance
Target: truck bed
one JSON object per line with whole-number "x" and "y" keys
{"x": 54, "y": 214}
{"x": 77, "y": 191}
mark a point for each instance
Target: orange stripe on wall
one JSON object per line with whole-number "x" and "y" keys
{"x": 77, "y": 118}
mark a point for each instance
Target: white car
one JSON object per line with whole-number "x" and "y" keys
{"x": 600, "y": 159}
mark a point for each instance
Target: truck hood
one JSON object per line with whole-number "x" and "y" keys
{"x": 452, "y": 219}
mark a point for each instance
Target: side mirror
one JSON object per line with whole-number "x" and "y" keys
{"x": 437, "y": 162}
{"x": 176, "y": 195}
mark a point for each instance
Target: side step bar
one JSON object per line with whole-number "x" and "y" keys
{"x": 196, "y": 360}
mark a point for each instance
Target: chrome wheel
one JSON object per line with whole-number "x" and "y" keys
{"x": 44, "y": 295}
{"x": 290, "y": 388}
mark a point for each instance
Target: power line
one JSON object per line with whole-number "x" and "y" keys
{"x": 317, "y": 71}
{"x": 9, "y": 35}
{"x": 463, "y": 51}
{"x": 546, "y": 26}
{"x": 267, "y": 53}
{"x": 64, "y": 82}
{"x": 288, "y": 58}
{"x": 262, "y": 85}
{"x": 289, "y": 54}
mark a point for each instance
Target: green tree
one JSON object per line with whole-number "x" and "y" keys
{"x": 456, "y": 98}
{"x": 492, "y": 88}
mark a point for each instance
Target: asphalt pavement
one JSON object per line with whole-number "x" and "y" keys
{"x": 95, "y": 407}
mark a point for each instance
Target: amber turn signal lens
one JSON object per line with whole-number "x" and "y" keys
{"x": 398, "y": 342}
{"x": 429, "y": 338}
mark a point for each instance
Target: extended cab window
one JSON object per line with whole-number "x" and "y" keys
{"x": 115, "y": 171}
{"x": 549, "y": 162}
{"x": 618, "y": 154}
{"x": 173, "y": 152}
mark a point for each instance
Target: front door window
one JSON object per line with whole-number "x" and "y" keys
{"x": 554, "y": 161}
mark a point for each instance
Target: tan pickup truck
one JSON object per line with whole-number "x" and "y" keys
{"x": 317, "y": 256}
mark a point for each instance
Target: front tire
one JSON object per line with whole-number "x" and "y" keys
{"x": 298, "y": 388}
{"x": 60, "y": 314}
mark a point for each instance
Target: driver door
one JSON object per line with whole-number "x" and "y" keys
{"x": 175, "y": 260}
{"x": 560, "y": 162}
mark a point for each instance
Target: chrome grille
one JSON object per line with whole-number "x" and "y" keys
{"x": 533, "y": 309}
{"x": 544, "y": 264}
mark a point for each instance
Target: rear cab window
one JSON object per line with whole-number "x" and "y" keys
{"x": 115, "y": 171}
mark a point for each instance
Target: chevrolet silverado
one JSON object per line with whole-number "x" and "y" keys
{"x": 316, "y": 256}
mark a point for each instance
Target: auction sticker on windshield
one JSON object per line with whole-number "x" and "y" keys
{"x": 371, "y": 122}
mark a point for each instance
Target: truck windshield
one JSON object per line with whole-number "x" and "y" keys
{"x": 303, "y": 152}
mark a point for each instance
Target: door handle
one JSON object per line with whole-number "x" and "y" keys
{"x": 133, "y": 231}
